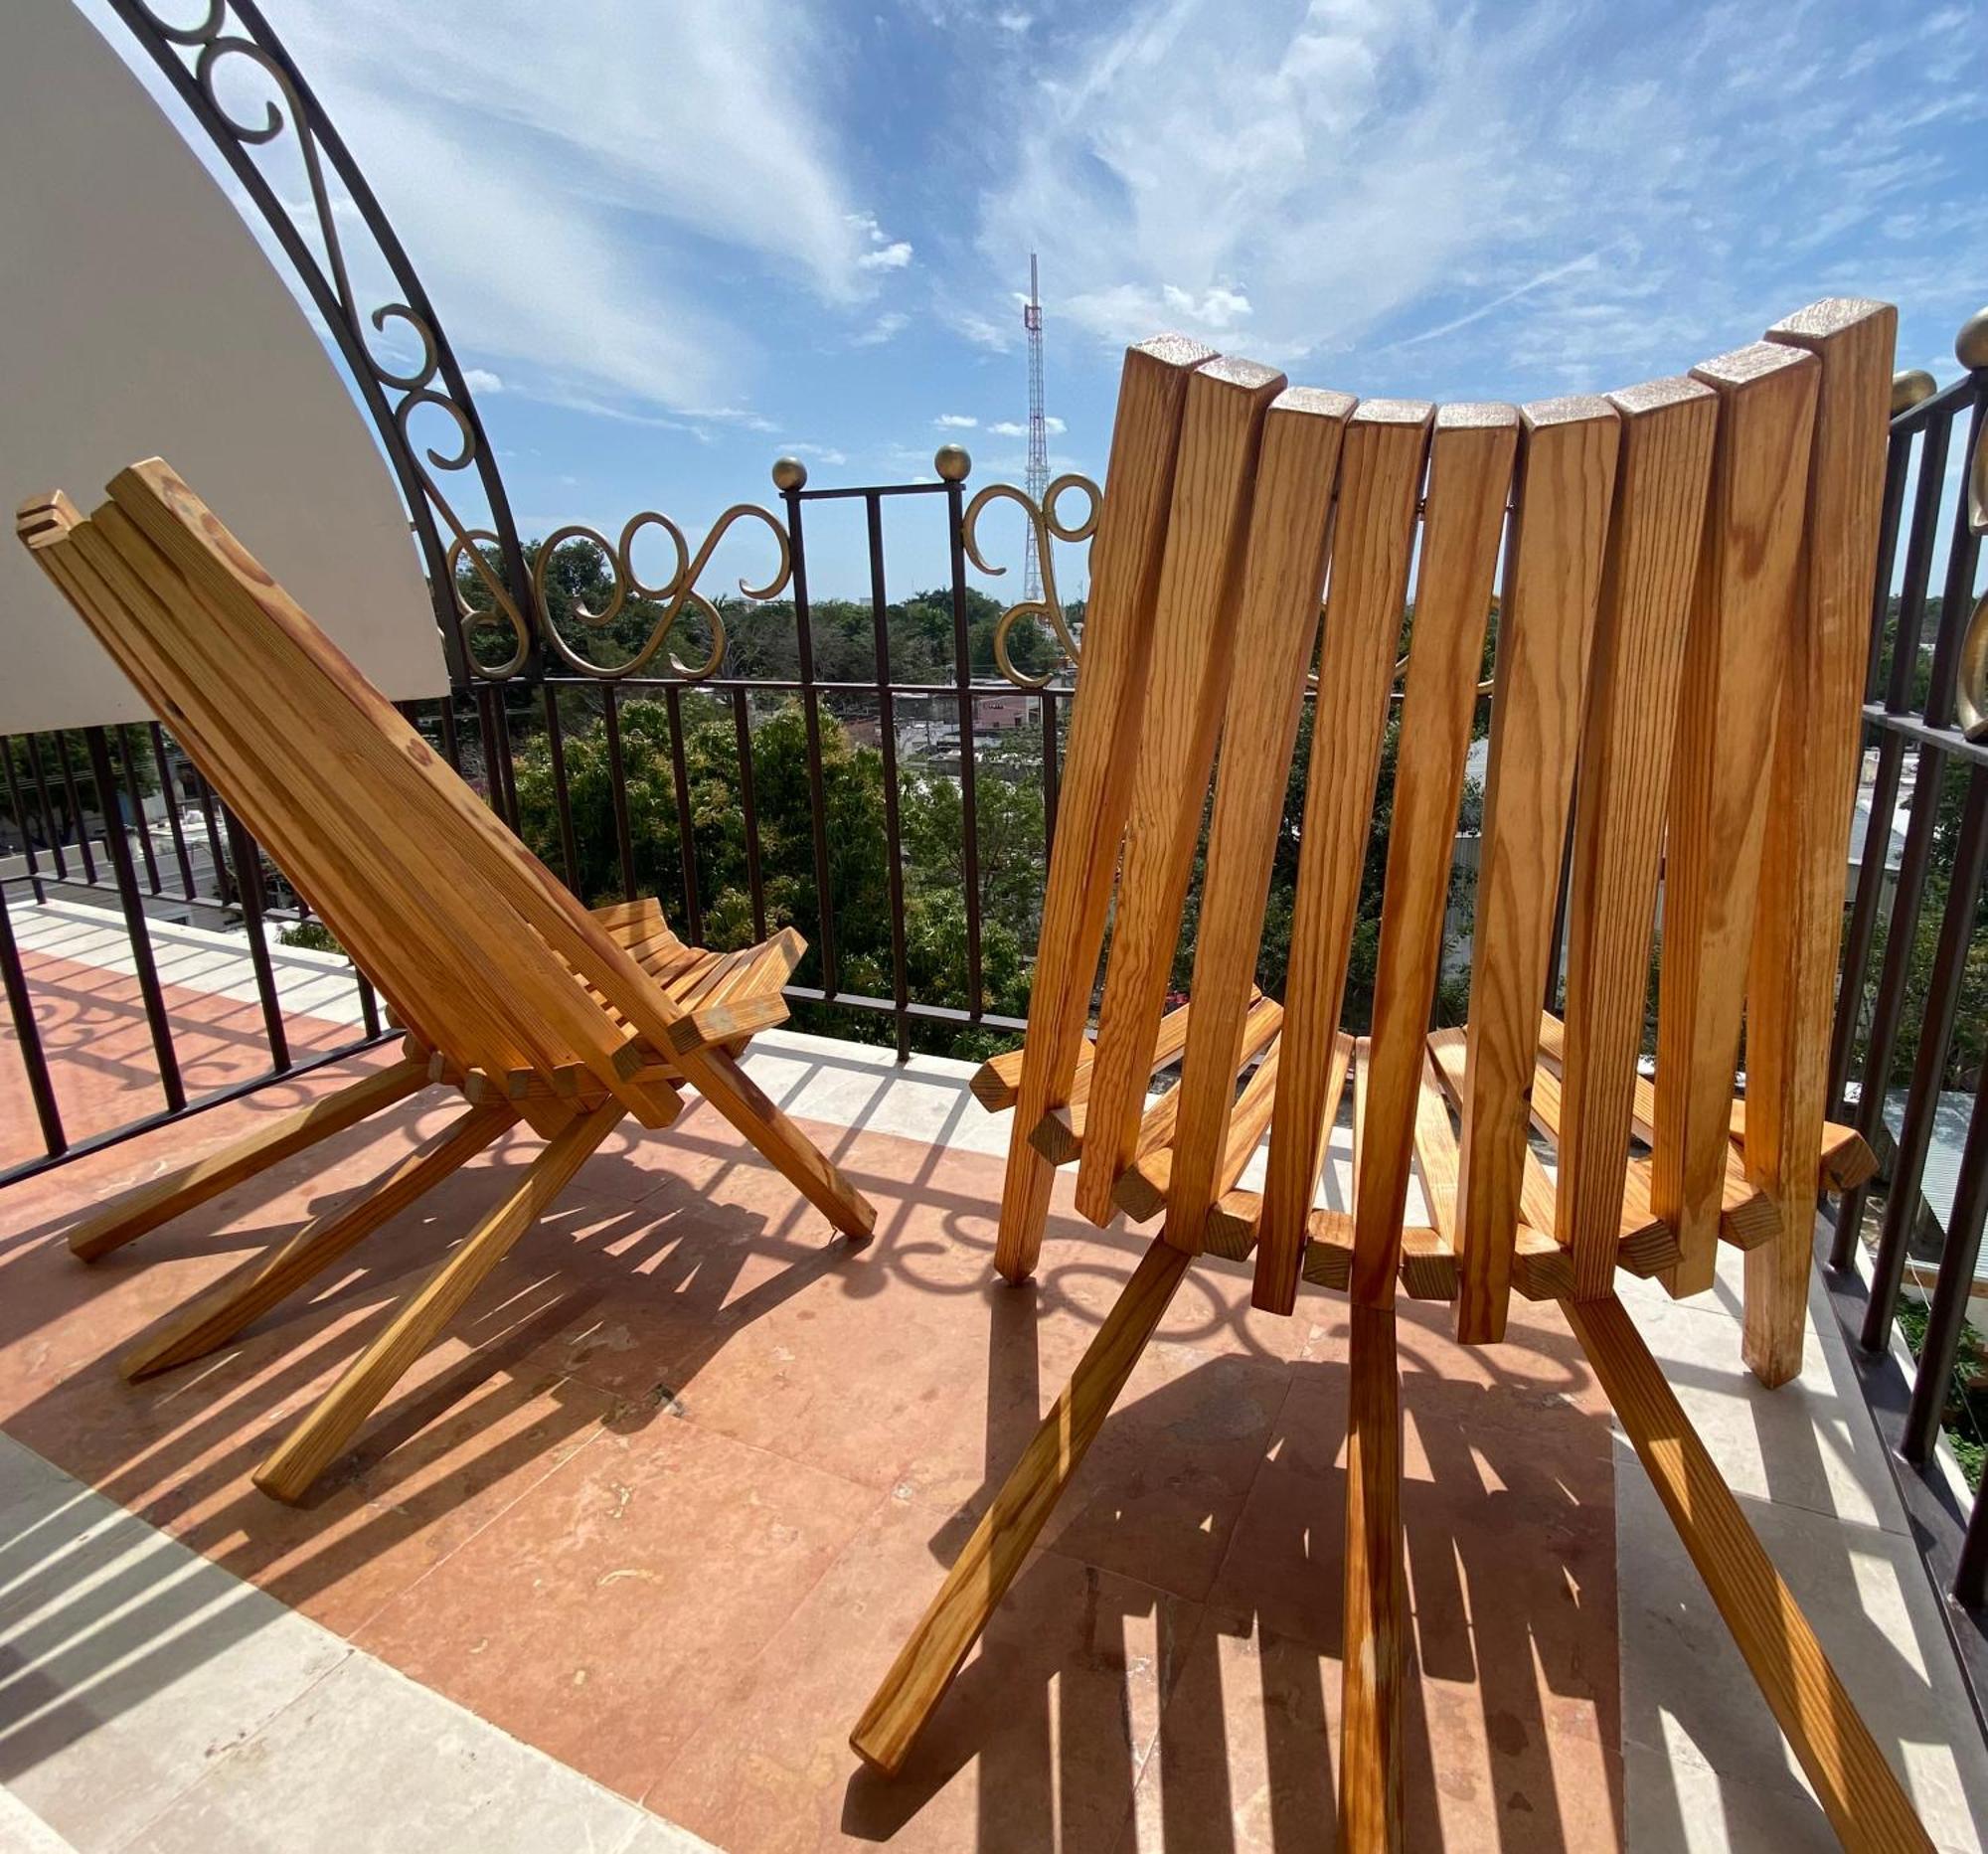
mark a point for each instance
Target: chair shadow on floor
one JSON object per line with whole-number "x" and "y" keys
{"x": 479, "y": 1421}
{"x": 1123, "y": 1697}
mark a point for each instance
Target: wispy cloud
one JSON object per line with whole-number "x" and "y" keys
{"x": 565, "y": 187}
{"x": 1601, "y": 176}
{"x": 955, "y": 421}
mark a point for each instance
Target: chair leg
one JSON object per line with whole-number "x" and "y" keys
{"x": 1862, "y": 1799}
{"x": 216, "y": 1318}
{"x": 1373, "y": 1670}
{"x": 150, "y": 1205}
{"x": 790, "y": 1151}
{"x": 980, "y": 1576}
{"x": 310, "y": 1447}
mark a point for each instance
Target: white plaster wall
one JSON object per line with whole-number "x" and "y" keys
{"x": 139, "y": 317}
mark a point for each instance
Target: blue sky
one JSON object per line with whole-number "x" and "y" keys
{"x": 675, "y": 239}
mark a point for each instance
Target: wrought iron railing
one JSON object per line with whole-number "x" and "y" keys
{"x": 1909, "y": 1060}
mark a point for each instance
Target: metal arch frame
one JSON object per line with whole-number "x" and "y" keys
{"x": 189, "y": 57}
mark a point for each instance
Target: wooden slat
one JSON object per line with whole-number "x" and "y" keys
{"x": 128, "y": 1216}
{"x": 1373, "y": 1663}
{"x": 1232, "y": 1224}
{"x": 1471, "y": 480}
{"x": 1735, "y": 657}
{"x": 1552, "y": 577}
{"x": 403, "y": 883}
{"x": 1059, "y": 1135}
{"x": 1273, "y": 635}
{"x": 1328, "y": 1252}
{"x": 1187, "y": 685}
{"x": 1380, "y": 474}
{"x": 446, "y": 866}
{"x": 1096, "y": 785}
{"x": 131, "y": 624}
{"x": 1645, "y": 1244}
{"x": 995, "y": 1552}
{"x": 1846, "y": 1156}
{"x": 1791, "y": 984}
{"x": 1435, "y": 1152}
{"x": 998, "y": 1081}
{"x": 217, "y": 1317}
{"x": 744, "y": 999}
{"x": 1144, "y": 1187}
{"x": 308, "y": 1448}
{"x": 713, "y": 1025}
{"x": 1644, "y": 611}
{"x": 1857, "y": 1788}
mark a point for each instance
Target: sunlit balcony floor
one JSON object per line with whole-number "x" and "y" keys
{"x": 619, "y": 1561}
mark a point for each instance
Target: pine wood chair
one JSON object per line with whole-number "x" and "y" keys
{"x": 509, "y": 991}
{"x": 1682, "y": 625}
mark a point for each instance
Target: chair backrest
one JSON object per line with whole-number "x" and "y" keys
{"x": 1679, "y": 628}
{"x": 476, "y": 948}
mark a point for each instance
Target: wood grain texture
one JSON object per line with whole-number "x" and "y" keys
{"x": 1641, "y": 621}
{"x": 1380, "y": 474}
{"x": 129, "y": 1216}
{"x": 217, "y": 1317}
{"x": 1735, "y": 659}
{"x": 1846, "y": 1156}
{"x": 309, "y": 1447}
{"x": 1187, "y": 686}
{"x": 1553, "y": 580}
{"x": 1232, "y": 1224}
{"x": 1471, "y": 480}
{"x": 1059, "y": 1134}
{"x": 1096, "y": 787}
{"x": 1375, "y": 1662}
{"x": 1858, "y": 1792}
{"x": 1145, "y": 1187}
{"x": 1273, "y": 638}
{"x": 995, "y": 1552}
{"x": 1791, "y": 983}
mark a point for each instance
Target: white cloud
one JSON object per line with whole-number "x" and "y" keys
{"x": 885, "y": 328}
{"x": 979, "y": 330}
{"x": 481, "y": 380}
{"x": 559, "y": 210}
{"x": 1053, "y": 425}
{"x": 1619, "y": 192}
{"x": 884, "y": 253}
{"x": 1007, "y": 429}
{"x": 955, "y": 421}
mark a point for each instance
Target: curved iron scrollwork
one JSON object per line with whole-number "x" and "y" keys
{"x": 675, "y": 593}
{"x": 1045, "y": 523}
{"x": 232, "y": 36}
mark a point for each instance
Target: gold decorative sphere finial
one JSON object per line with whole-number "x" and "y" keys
{"x": 952, "y": 462}
{"x": 790, "y": 473}
{"x": 1970, "y": 346}
{"x": 1910, "y": 387}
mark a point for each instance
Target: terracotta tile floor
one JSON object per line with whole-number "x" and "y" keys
{"x": 686, "y": 1471}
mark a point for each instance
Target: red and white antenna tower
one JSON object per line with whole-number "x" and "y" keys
{"x": 1038, "y": 437}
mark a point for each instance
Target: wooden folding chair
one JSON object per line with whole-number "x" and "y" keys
{"x": 1681, "y": 631}
{"x": 507, "y": 989}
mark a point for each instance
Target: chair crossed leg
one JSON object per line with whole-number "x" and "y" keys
{"x": 217, "y": 1315}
